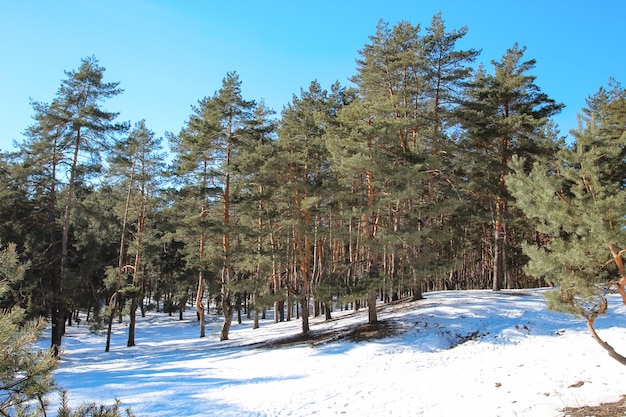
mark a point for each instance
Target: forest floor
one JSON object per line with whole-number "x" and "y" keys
{"x": 449, "y": 354}
{"x": 383, "y": 329}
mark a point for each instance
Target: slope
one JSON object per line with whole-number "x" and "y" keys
{"x": 453, "y": 353}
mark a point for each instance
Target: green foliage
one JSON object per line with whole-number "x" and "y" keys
{"x": 61, "y": 156}
{"x": 396, "y": 184}
{"x": 505, "y": 114}
{"x": 97, "y": 322}
{"x": 579, "y": 202}
{"x": 131, "y": 291}
{"x": 26, "y": 379}
{"x": 25, "y": 373}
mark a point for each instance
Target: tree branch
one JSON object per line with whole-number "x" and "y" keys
{"x": 612, "y": 353}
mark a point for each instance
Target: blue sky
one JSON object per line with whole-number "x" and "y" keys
{"x": 168, "y": 54}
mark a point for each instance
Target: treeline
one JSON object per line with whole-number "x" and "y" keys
{"x": 385, "y": 189}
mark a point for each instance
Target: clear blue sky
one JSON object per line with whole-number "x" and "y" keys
{"x": 168, "y": 54}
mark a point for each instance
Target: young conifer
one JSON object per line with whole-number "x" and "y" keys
{"x": 580, "y": 204}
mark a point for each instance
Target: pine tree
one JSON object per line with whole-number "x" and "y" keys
{"x": 446, "y": 73}
{"x": 233, "y": 114}
{"x": 303, "y": 159}
{"x": 505, "y": 114}
{"x": 194, "y": 149}
{"x": 136, "y": 167}
{"x": 395, "y": 151}
{"x": 254, "y": 181}
{"x": 579, "y": 202}
{"x": 72, "y": 130}
{"x": 95, "y": 241}
{"x": 149, "y": 159}
{"x": 205, "y": 151}
{"x": 377, "y": 153}
{"x": 25, "y": 374}
{"x": 445, "y": 70}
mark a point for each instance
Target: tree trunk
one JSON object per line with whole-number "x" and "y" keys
{"x": 289, "y": 308}
{"x": 229, "y": 312}
{"x": 133, "y": 320}
{"x": 619, "y": 262}
{"x": 498, "y": 250}
{"x": 279, "y": 311}
{"x": 305, "y": 314}
{"x": 498, "y": 262}
{"x": 120, "y": 262}
{"x": 112, "y": 304}
{"x": 371, "y": 307}
{"x": 199, "y": 306}
{"x": 141, "y": 223}
{"x": 256, "y": 317}
{"x": 417, "y": 293}
{"x": 57, "y": 309}
{"x": 238, "y": 307}
{"x": 227, "y": 303}
{"x": 55, "y": 273}
{"x": 57, "y": 319}
{"x": 612, "y": 353}
{"x": 327, "y": 312}
{"x": 201, "y": 249}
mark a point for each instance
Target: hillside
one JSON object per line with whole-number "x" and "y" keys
{"x": 453, "y": 353}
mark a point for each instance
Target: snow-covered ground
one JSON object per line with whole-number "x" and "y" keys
{"x": 469, "y": 353}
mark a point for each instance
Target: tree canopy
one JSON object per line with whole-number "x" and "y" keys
{"x": 427, "y": 172}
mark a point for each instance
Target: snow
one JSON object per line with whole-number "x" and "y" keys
{"x": 455, "y": 353}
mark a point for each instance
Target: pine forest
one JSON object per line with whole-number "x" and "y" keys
{"x": 427, "y": 172}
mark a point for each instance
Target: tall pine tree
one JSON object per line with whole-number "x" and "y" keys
{"x": 505, "y": 114}
{"x": 72, "y": 131}
{"x": 205, "y": 150}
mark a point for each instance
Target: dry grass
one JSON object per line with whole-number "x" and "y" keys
{"x": 616, "y": 409}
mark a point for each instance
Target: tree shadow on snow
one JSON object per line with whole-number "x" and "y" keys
{"x": 358, "y": 333}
